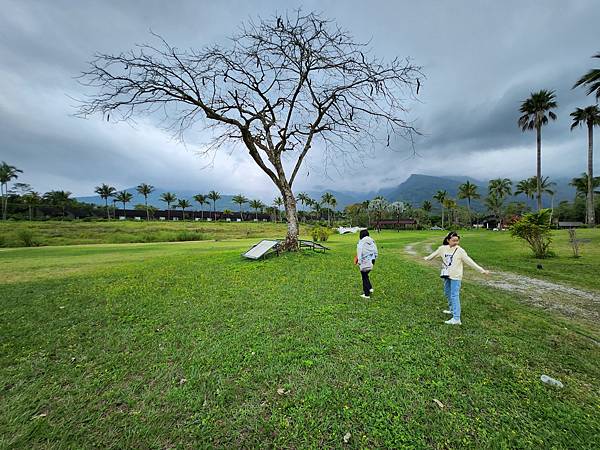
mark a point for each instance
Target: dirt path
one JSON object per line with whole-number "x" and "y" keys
{"x": 566, "y": 300}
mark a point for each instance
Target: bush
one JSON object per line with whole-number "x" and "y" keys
{"x": 25, "y": 237}
{"x": 535, "y": 229}
{"x": 188, "y": 236}
{"x": 320, "y": 233}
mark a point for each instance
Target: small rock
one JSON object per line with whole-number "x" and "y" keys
{"x": 551, "y": 381}
{"x": 347, "y": 437}
{"x": 182, "y": 381}
{"x": 282, "y": 391}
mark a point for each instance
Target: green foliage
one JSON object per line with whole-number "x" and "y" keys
{"x": 320, "y": 233}
{"x": 535, "y": 229}
{"x": 189, "y": 236}
{"x": 25, "y": 238}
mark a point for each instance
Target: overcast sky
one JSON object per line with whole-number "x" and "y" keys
{"x": 481, "y": 60}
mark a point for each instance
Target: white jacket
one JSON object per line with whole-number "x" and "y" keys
{"x": 366, "y": 252}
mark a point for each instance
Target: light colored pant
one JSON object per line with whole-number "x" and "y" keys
{"x": 452, "y": 292}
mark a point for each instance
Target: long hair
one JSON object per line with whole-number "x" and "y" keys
{"x": 363, "y": 233}
{"x": 450, "y": 235}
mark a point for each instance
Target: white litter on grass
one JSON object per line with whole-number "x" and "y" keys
{"x": 551, "y": 381}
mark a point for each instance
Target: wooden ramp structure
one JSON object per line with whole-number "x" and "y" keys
{"x": 261, "y": 249}
{"x": 268, "y": 246}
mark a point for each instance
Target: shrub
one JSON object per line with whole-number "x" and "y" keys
{"x": 25, "y": 237}
{"x": 535, "y": 229}
{"x": 188, "y": 236}
{"x": 320, "y": 233}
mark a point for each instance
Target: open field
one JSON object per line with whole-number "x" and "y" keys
{"x": 187, "y": 345}
{"x": 117, "y": 232}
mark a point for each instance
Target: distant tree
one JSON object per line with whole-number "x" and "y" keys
{"x": 326, "y": 199}
{"x": 427, "y": 206}
{"x": 240, "y": 200}
{"x": 468, "y": 191}
{"x": 581, "y": 185}
{"x": 168, "y": 198}
{"x": 183, "y": 204}
{"x": 440, "y": 196}
{"x": 7, "y": 174}
{"x": 105, "y": 191}
{"x": 534, "y": 116}
{"x": 495, "y": 204}
{"x": 317, "y": 209}
{"x": 256, "y": 205}
{"x": 500, "y": 187}
{"x": 58, "y": 198}
{"x": 278, "y": 203}
{"x": 214, "y": 196}
{"x": 304, "y": 199}
{"x": 202, "y": 200}
{"x": 124, "y": 197}
{"x": 591, "y": 117}
{"x": 397, "y": 208}
{"x": 227, "y": 212}
{"x": 591, "y": 80}
{"x": 450, "y": 204}
{"x": 527, "y": 187}
{"x": 379, "y": 206}
{"x": 145, "y": 190}
{"x": 31, "y": 199}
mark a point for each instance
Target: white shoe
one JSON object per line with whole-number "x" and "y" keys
{"x": 446, "y": 311}
{"x": 372, "y": 290}
{"x": 364, "y": 296}
{"x": 453, "y": 321}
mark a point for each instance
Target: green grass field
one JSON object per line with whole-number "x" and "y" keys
{"x": 117, "y": 232}
{"x": 187, "y": 345}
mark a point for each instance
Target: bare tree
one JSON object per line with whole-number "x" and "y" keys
{"x": 284, "y": 85}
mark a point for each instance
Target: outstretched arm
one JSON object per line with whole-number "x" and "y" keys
{"x": 433, "y": 255}
{"x": 466, "y": 258}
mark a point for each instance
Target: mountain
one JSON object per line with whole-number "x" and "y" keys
{"x": 415, "y": 190}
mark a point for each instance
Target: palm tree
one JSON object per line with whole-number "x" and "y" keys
{"x": 304, "y": 199}
{"x": 214, "y": 196}
{"x": 7, "y": 173}
{"x": 591, "y": 117}
{"x": 450, "y": 205}
{"x": 581, "y": 185}
{"x": 168, "y": 198}
{"x": 105, "y": 191}
{"x": 278, "y": 203}
{"x": 527, "y": 187}
{"x": 534, "y": 117}
{"x": 58, "y": 198}
{"x": 202, "y": 200}
{"x": 31, "y": 199}
{"x": 501, "y": 187}
{"x": 440, "y": 196}
{"x": 316, "y": 207}
{"x": 494, "y": 205}
{"x": 256, "y": 205}
{"x": 426, "y": 206}
{"x": 329, "y": 200}
{"x": 468, "y": 191}
{"x": 240, "y": 200}
{"x": 591, "y": 80}
{"x": 145, "y": 190}
{"x": 124, "y": 197}
{"x": 183, "y": 204}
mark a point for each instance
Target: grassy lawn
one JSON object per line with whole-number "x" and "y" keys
{"x": 187, "y": 345}
{"x": 117, "y": 232}
{"x": 498, "y": 250}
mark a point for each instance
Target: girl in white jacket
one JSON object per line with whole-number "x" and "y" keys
{"x": 453, "y": 257}
{"x": 366, "y": 254}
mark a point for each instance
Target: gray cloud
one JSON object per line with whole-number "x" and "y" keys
{"x": 481, "y": 62}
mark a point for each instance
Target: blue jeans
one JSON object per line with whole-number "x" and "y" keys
{"x": 452, "y": 292}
